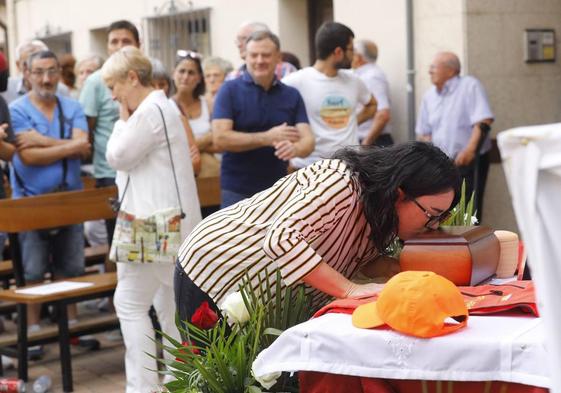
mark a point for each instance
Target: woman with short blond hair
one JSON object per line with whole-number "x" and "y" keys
{"x": 148, "y": 148}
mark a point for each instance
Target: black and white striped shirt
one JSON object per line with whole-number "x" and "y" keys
{"x": 310, "y": 216}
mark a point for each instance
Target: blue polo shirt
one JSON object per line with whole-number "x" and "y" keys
{"x": 252, "y": 109}
{"x": 42, "y": 179}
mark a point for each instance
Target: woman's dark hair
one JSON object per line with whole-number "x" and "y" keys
{"x": 200, "y": 89}
{"x": 330, "y": 36}
{"x": 417, "y": 168}
{"x": 67, "y": 65}
{"x": 292, "y": 59}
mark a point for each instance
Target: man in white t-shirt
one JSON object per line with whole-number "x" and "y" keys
{"x": 376, "y": 131}
{"x": 331, "y": 94}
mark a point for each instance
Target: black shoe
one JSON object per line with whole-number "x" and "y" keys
{"x": 35, "y": 352}
{"x": 86, "y": 342}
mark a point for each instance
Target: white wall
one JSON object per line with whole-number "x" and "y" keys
{"x": 438, "y": 26}
{"x": 293, "y": 28}
{"x": 383, "y": 22}
{"x": 520, "y": 94}
{"x": 80, "y": 17}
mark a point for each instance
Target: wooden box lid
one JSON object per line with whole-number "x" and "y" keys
{"x": 464, "y": 255}
{"x": 452, "y": 235}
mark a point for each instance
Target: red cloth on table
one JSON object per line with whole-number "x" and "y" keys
{"x": 315, "y": 382}
{"x": 480, "y": 300}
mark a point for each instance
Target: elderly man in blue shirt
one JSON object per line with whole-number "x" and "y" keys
{"x": 453, "y": 116}
{"x": 51, "y": 138}
{"x": 259, "y": 123}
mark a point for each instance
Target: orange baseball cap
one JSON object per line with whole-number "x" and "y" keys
{"x": 416, "y": 303}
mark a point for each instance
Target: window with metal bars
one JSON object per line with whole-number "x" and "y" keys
{"x": 166, "y": 34}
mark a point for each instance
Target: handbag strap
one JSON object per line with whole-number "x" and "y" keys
{"x": 171, "y": 160}
{"x": 172, "y": 169}
{"x": 63, "y": 183}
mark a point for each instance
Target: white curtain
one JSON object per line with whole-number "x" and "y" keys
{"x": 531, "y": 159}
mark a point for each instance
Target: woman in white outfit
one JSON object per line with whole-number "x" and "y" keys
{"x": 138, "y": 150}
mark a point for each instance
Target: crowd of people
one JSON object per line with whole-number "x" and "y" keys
{"x": 291, "y": 199}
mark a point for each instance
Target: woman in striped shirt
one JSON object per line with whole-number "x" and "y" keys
{"x": 319, "y": 225}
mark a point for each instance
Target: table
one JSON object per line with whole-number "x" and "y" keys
{"x": 491, "y": 348}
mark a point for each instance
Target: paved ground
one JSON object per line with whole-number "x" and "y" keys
{"x": 93, "y": 371}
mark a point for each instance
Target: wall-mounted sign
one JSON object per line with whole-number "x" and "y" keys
{"x": 539, "y": 45}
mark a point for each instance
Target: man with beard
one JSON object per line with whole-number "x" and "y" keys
{"x": 331, "y": 93}
{"x": 51, "y": 137}
{"x": 17, "y": 85}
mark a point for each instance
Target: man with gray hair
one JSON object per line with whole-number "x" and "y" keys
{"x": 49, "y": 165}
{"x": 18, "y": 85}
{"x": 246, "y": 29}
{"x": 375, "y": 131}
{"x": 454, "y": 115}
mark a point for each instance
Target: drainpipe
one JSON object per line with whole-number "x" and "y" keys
{"x": 410, "y": 70}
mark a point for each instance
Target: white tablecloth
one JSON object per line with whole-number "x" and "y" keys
{"x": 532, "y": 162}
{"x": 489, "y": 348}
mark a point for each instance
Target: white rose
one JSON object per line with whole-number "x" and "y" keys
{"x": 235, "y": 308}
{"x": 473, "y": 220}
{"x": 268, "y": 380}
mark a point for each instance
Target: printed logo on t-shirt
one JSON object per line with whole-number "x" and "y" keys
{"x": 335, "y": 111}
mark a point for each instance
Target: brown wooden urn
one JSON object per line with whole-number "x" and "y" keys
{"x": 464, "y": 255}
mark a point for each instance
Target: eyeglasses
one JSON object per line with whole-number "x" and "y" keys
{"x": 188, "y": 54}
{"x": 49, "y": 72}
{"x": 432, "y": 220}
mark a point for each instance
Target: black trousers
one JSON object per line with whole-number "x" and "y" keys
{"x": 188, "y": 296}
{"x": 468, "y": 173}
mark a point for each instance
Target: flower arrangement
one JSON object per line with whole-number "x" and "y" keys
{"x": 218, "y": 352}
{"x": 464, "y": 213}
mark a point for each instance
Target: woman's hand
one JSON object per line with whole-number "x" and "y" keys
{"x": 357, "y": 291}
{"x": 195, "y": 159}
{"x": 124, "y": 112}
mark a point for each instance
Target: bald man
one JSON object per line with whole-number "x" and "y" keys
{"x": 18, "y": 85}
{"x": 375, "y": 131}
{"x": 451, "y": 117}
{"x": 282, "y": 68}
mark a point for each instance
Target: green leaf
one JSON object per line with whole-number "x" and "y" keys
{"x": 272, "y": 332}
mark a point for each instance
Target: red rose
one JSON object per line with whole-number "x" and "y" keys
{"x": 204, "y": 317}
{"x": 188, "y": 345}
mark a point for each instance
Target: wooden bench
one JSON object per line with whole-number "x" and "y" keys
{"x": 208, "y": 189}
{"x": 43, "y": 212}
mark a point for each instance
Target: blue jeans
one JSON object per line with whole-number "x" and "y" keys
{"x": 228, "y": 198}
{"x": 63, "y": 247}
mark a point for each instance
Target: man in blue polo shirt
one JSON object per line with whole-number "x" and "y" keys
{"x": 51, "y": 136}
{"x": 259, "y": 123}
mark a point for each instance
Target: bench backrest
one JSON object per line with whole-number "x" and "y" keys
{"x": 54, "y": 210}
{"x": 51, "y": 211}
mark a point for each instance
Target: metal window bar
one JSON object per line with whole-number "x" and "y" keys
{"x": 167, "y": 33}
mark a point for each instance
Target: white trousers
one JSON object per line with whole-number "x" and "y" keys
{"x": 138, "y": 287}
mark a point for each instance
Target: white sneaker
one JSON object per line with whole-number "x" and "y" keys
{"x": 8, "y": 363}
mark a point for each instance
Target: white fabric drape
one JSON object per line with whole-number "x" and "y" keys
{"x": 532, "y": 163}
{"x": 490, "y": 348}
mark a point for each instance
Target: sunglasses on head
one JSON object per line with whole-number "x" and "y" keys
{"x": 188, "y": 54}
{"x": 432, "y": 219}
